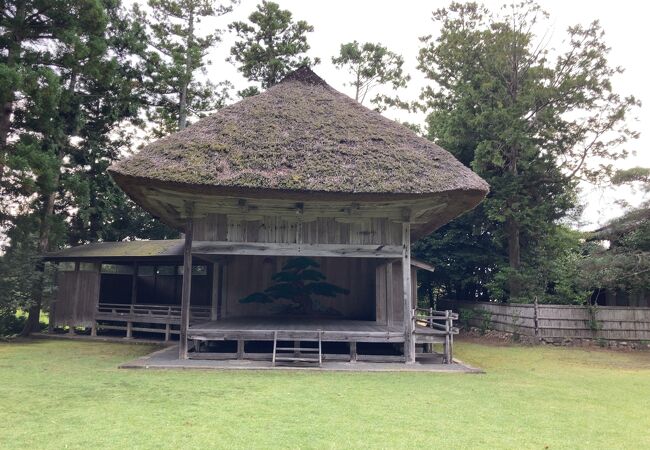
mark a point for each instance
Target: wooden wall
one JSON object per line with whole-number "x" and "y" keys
{"x": 290, "y": 230}
{"x": 77, "y": 297}
{"x": 562, "y": 321}
{"x": 390, "y": 292}
{"x": 244, "y": 275}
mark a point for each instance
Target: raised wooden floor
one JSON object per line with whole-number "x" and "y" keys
{"x": 263, "y": 328}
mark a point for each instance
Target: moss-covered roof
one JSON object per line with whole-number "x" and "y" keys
{"x": 302, "y": 136}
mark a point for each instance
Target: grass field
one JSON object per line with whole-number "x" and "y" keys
{"x": 63, "y": 394}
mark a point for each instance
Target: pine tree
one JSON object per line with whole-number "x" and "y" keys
{"x": 178, "y": 54}
{"x": 298, "y": 281}
{"x": 269, "y": 45}
{"x": 372, "y": 65}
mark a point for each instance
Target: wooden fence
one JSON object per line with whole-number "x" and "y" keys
{"x": 556, "y": 322}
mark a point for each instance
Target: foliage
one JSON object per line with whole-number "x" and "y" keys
{"x": 21, "y": 274}
{"x": 298, "y": 282}
{"x": 177, "y": 51}
{"x": 465, "y": 256}
{"x": 75, "y": 99}
{"x": 624, "y": 264}
{"x": 465, "y": 316}
{"x": 530, "y": 123}
{"x": 270, "y": 45}
{"x": 372, "y": 65}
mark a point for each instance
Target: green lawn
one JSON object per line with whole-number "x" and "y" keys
{"x": 62, "y": 394}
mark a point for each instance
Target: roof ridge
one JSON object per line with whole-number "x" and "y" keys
{"x": 304, "y": 74}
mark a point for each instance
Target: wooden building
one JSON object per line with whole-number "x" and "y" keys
{"x": 300, "y": 170}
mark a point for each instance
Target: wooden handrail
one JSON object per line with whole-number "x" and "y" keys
{"x": 434, "y": 318}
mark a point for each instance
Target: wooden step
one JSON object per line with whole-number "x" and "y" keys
{"x": 297, "y": 349}
{"x": 295, "y": 359}
{"x": 296, "y": 353}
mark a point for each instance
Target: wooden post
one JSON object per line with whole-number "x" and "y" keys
{"x": 536, "y": 317}
{"x": 430, "y": 323}
{"x": 353, "y": 351}
{"x": 216, "y": 288}
{"x": 451, "y": 336}
{"x": 134, "y": 284}
{"x": 447, "y": 337}
{"x": 390, "y": 295}
{"x": 186, "y": 291}
{"x": 409, "y": 341}
{"x": 240, "y": 348}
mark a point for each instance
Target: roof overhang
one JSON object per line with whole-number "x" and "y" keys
{"x": 173, "y": 203}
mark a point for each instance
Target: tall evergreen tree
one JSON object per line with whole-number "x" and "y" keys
{"x": 75, "y": 84}
{"x": 529, "y": 123}
{"x": 178, "y": 53}
{"x": 269, "y": 45}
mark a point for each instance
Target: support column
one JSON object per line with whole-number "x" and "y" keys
{"x": 186, "y": 291}
{"x": 216, "y": 291}
{"x": 409, "y": 338}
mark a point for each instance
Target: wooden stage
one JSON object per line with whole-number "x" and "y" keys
{"x": 287, "y": 328}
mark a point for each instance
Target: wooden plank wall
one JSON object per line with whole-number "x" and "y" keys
{"x": 563, "y": 321}
{"x": 77, "y": 297}
{"x": 244, "y": 275}
{"x": 323, "y": 230}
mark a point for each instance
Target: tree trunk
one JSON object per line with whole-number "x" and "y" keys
{"x": 185, "y": 81}
{"x": 47, "y": 211}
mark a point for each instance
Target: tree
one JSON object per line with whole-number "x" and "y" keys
{"x": 371, "y": 65}
{"x": 624, "y": 264}
{"x": 270, "y": 45}
{"x": 178, "y": 52}
{"x": 77, "y": 83}
{"x": 531, "y": 124}
{"x": 298, "y": 281}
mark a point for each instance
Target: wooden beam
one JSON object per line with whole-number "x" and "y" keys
{"x": 187, "y": 289}
{"x": 204, "y": 248}
{"x": 409, "y": 341}
{"x": 422, "y": 265}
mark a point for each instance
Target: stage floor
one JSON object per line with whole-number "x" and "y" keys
{"x": 263, "y": 328}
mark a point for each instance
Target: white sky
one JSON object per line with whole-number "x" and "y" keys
{"x": 398, "y": 25}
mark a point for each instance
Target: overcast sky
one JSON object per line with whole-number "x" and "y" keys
{"x": 399, "y": 24}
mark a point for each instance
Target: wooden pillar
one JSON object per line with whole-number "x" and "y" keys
{"x": 409, "y": 338}
{"x": 390, "y": 296}
{"x": 134, "y": 284}
{"x": 186, "y": 291}
{"x": 353, "y": 351}
{"x": 216, "y": 290}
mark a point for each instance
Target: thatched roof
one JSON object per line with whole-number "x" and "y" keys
{"x": 300, "y": 135}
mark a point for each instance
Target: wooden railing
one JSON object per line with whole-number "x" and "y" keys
{"x": 140, "y": 317}
{"x": 441, "y": 323}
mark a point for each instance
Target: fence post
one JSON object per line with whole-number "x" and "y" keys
{"x": 536, "y": 317}
{"x": 447, "y": 338}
